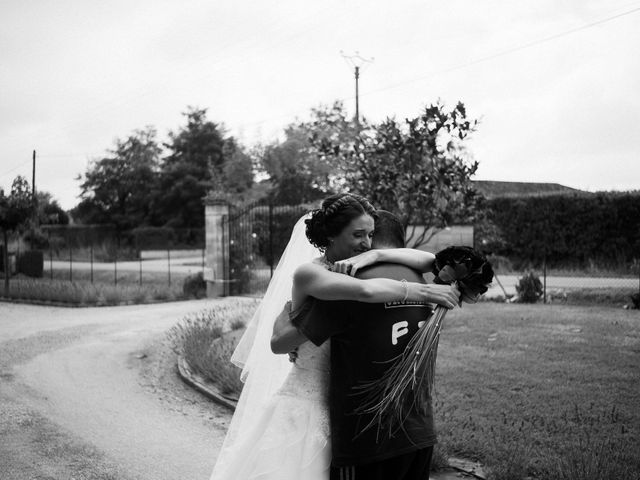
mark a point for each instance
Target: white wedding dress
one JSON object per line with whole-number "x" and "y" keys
{"x": 280, "y": 428}
{"x": 290, "y": 439}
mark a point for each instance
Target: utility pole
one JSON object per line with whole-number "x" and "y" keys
{"x": 34, "y": 203}
{"x": 356, "y": 61}
{"x": 34, "y": 200}
{"x": 33, "y": 180}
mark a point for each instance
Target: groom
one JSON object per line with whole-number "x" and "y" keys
{"x": 364, "y": 338}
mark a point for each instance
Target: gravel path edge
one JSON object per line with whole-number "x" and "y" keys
{"x": 197, "y": 382}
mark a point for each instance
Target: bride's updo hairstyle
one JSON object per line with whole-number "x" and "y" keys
{"x": 336, "y": 213}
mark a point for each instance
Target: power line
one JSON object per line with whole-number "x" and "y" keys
{"x": 45, "y": 156}
{"x": 509, "y": 51}
{"x": 486, "y": 58}
{"x": 356, "y": 61}
{"x": 14, "y": 168}
{"x": 467, "y": 64}
{"x": 253, "y": 43}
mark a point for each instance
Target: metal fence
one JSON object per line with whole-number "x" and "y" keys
{"x": 618, "y": 286}
{"x": 102, "y": 255}
{"x": 257, "y": 236}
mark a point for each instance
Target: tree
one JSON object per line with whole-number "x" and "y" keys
{"x": 194, "y": 167}
{"x": 297, "y": 173}
{"x": 237, "y": 170}
{"x": 292, "y": 183}
{"x": 15, "y": 211}
{"x": 419, "y": 170}
{"x": 49, "y": 211}
{"x": 119, "y": 188}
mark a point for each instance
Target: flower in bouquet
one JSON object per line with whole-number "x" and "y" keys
{"x": 406, "y": 384}
{"x": 465, "y": 267}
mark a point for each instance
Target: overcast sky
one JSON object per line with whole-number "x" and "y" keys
{"x": 555, "y": 83}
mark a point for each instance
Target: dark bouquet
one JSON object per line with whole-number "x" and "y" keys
{"x": 410, "y": 379}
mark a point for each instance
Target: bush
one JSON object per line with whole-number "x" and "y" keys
{"x": 598, "y": 296}
{"x": 570, "y": 231}
{"x": 31, "y": 263}
{"x": 529, "y": 288}
{"x": 85, "y": 293}
{"x": 36, "y": 239}
{"x": 635, "y": 301}
{"x": 75, "y": 236}
{"x": 194, "y": 286}
{"x": 203, "y": 342}
{"x": 152, "y": 238}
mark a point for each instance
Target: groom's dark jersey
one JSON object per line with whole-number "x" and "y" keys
{"x": 363, "y": 337}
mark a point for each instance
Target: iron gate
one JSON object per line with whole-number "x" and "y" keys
{"x": 257, "y": 236}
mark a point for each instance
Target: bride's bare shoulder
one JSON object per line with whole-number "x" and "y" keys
{"x": 309, "y": 269}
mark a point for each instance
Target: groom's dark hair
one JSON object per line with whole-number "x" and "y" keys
{"x": 389, "y": 231}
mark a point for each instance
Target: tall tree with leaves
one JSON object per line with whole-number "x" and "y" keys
{"x": 15, "y": 211}
{"x": 419, "y": 169}
{"x": 49, "y": 210}
{"x": 193, "y": 167}
{"x": 237, "y": 170}
{"x": 297, "y": 173}
{"x": 119, "y": 188}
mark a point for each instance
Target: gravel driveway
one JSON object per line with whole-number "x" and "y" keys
{"x": 92, "y": 394}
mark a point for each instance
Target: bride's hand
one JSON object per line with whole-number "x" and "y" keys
{"x": 446, "y": 295}
{"x": 351, "y": 265}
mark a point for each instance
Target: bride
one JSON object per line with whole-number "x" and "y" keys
{"x": 280, "y": 429}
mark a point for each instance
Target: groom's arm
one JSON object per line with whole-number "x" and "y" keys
{"x": 323, "y": 320}
{"x": 317, "y": 324}
{"x": 286, "y": 337}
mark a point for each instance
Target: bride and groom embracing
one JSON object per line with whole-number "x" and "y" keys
{"x": 347, "y": 297}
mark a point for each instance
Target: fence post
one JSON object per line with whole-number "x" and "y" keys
{"x": 50, "y": 255}
{"x": 115, "y": 268}
{"x": 544, "y": 278}
{"x": 270, "y": 240}
{"x": 169, "y": 263}
{"x": 70, "y": 264}
{"x": 140, "y": 262}
{"x": 91, "y": 257}
{"x": 216, "y": 234}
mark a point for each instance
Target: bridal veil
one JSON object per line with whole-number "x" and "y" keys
{"x": 263, "y": 372}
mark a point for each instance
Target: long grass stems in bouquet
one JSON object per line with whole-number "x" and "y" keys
{"x": 409, "y": 381}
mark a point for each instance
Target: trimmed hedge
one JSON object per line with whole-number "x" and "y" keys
{"x": 31, "y": 263}
{"x": 579, "y": 230}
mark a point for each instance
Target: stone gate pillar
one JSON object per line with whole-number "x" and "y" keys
{"x": 216, "y": 251}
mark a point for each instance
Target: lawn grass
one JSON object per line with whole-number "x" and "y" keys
{"x": 613, "y": 297}
{"x": 531, "y": 391}
{"x": 542, "y": 390}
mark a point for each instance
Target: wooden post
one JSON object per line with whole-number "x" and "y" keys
{"x": 544, "y": 273}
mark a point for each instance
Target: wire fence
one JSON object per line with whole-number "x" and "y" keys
{"x": 157, "y": 266}
{"x": 103, "y": 255}
{"x": 620, "y": 285}
{"x": 102, "y": 258}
